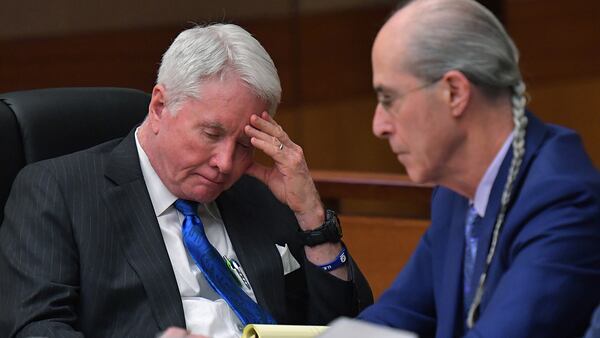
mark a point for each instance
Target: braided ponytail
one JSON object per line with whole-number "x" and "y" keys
{"x": 518, "y": 144}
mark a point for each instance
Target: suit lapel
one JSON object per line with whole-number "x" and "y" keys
{"x": 451, "y": 300}
{"x": 255, "y": 249}
{"x": 535, "y": 135}
{"x": 139, "y": 233}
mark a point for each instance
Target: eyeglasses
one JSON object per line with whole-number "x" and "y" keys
{"x": 387, "y": 100}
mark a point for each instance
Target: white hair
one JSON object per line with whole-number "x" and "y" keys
{"x": 206, "y": 52}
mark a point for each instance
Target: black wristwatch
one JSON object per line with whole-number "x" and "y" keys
{"x": 330, "y": 231}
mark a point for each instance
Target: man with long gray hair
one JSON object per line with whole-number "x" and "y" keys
{"x": 513, "y": 249}
{"x": 176, "y": 225}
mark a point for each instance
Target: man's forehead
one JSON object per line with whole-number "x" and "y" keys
{"x": 222, "y": 125}
{"x": 389, "y": 53}
{"x": 387, "y": 67}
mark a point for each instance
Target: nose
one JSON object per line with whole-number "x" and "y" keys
{"x": 223, "y": 157}
{"x": 381, "y": 125}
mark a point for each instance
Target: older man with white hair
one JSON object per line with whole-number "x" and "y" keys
{"x": 176, "y": 225}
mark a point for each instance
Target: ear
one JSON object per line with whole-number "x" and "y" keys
{"x": 157, "y": 107}
{"x": 457, "y": 91}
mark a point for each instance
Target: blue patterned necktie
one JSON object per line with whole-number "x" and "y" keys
{"x": 214, "y": 269}
{"x": 471, "y": 237}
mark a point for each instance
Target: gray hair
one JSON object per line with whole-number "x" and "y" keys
{"x": 463, "y": 35}
{"x": 204, "y": 52}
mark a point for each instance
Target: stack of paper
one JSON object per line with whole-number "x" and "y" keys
{"x": 281, "y": 331}
{"x": 349, "y": 328}
{"x": 340, "y": 328}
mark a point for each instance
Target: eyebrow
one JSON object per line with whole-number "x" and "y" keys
{"x": 381, "y": 89}
{"x": 214, "y": 125}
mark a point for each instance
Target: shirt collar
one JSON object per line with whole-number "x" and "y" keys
{"x": 482, "y": 194}
{"x": 160, "y": 196}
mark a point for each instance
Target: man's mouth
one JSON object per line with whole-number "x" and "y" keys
{"x": 215, "y": 181}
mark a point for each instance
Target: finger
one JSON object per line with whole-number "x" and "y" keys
{"x": 267, "y": 140}
{"x": 265, "y": 115}
{"x": 270, "y": 132}
{"x": 271, "y": 147}
{"x": 268, "y": 126}
{"x": 259, "y": 134}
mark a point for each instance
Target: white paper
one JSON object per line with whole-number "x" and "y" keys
{"x": 347, "y": 328}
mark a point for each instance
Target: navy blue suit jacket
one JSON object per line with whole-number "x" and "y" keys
{"x": 544, "y": 280}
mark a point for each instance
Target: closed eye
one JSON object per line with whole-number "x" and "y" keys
{"x": 245, "y": 145}
{"x": 214, "y": 131}
{"x": 386, "y": 101}
{"x": 212, "y": 135}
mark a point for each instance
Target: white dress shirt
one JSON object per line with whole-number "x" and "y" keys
{"x": 206, "y": 313}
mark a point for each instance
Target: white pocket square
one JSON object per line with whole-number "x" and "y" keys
{"x": 290, "y": 263}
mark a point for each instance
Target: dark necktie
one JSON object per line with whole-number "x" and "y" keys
{"x": 214, "y": 269}
{"x": 471, "y": 238}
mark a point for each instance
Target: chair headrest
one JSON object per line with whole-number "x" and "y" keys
{"x": 45, "y": 123}
{"x": 59, "y": 121}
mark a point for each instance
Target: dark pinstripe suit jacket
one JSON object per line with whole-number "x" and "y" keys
{"x": 81, "y": 253}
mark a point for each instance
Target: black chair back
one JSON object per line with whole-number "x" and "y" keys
{"x": 45, "y": 123}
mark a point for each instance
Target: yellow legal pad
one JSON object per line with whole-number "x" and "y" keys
{"x": 282, "y": 331}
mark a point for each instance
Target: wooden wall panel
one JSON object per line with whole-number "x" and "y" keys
{"x": 119, "y": 58}
{"x": 381, "y": 246}
{"x": 560, "y": 56}
{"x": 558, "y": 40}
{"x": 338, "y": 135}
{"x": 67, "y": 17}
{"x": 335, "y": 53}
{"x": 574, "y": 104}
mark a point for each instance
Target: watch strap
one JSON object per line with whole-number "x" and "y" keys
{"x": 328, "y": 232}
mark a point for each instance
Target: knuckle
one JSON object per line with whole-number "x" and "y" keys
{"x": 297, "y": 159}
{"x": 280, "y": 132}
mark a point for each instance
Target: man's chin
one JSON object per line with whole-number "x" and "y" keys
{"x": 417, "y": 176}
{"x": 204, "y": 195}
{"x": 205, "y": 191}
